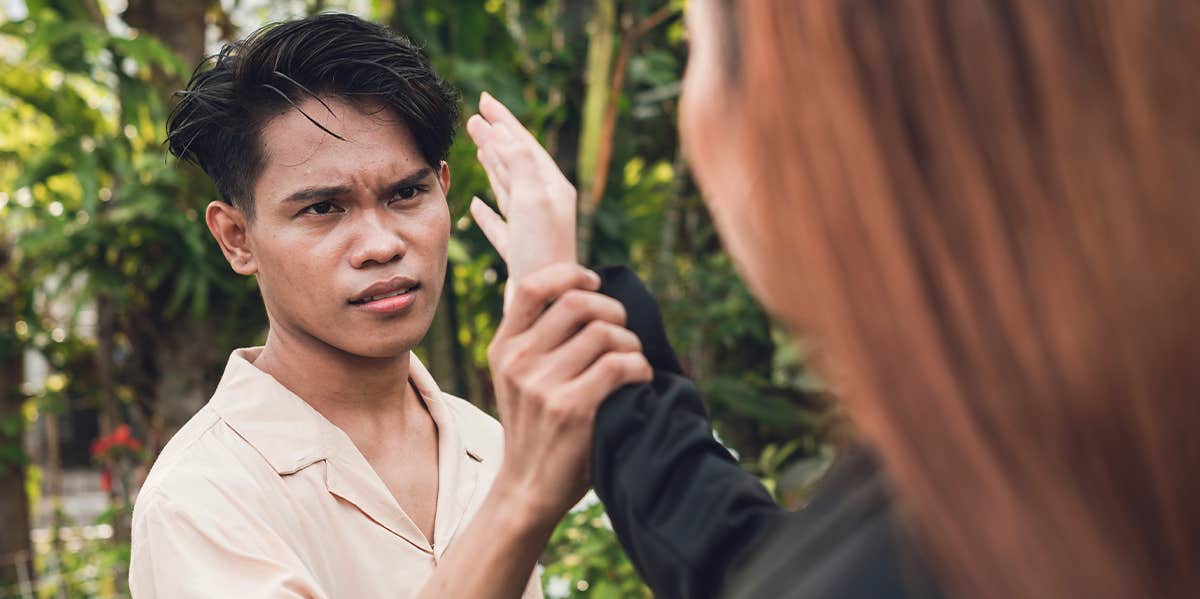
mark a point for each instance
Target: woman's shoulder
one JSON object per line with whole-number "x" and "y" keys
{"x": 847, "y": 542}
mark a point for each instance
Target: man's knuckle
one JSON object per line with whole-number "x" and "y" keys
{"x": 523, "y": 288}
{"x": 574, "y": 300}
{"x": 614, "y": 336}
{"x": 568, "y": 191}
{"x": 620, "y": 315}
{"x": 594, "y": 332}
{"x": 557, "y": 412}
{"x": 529, "y": 390}
{"x": 623, "y": 339}
{"x": 606, "y": 365}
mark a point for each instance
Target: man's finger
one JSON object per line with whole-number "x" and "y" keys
{"x": 610, "y": 372}
{"x": 534, "y": 291}
{"x": 569, "y": 313}
{"x": 582, "y": 350}
{"x": 492, "y": 225}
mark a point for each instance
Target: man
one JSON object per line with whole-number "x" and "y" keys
{"x": 328, "y": 463}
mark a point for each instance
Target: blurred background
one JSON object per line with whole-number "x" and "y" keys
{"x": 117, "y": 311}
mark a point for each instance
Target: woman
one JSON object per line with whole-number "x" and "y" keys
{"x": 986, "y": 212}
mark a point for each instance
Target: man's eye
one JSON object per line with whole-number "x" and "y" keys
{"x": 321, "y": 208}
{"x": 408, "y": 193}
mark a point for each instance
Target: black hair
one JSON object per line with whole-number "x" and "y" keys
{"x": 218, "y": 121}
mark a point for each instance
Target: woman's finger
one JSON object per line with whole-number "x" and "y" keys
{"x": 496, "y": 112}
{"x": 478, "y": 129}
{"x": 527, "y": 163}
{"x": 497, "y": 174}
{"x": 492, "y": 225}
{"x": 520, "y": 160}
{"x": 484, "y": 136}
{"x": 501, "y": 118}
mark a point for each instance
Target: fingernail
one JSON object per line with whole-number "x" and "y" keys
{"x": 594, "y": 277}
{"x": 484, "y": 96}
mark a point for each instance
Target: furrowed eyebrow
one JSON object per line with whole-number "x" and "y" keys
{"x": 325, "y": 192}
{"x": 314, "y": 193}
{"x": 408, "y": 181}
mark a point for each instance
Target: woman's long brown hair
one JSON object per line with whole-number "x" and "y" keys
{"x": 990, "y": 211}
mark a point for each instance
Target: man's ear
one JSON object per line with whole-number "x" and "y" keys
{"x": 228, "y": 226}
{"x": 444, "y": 177}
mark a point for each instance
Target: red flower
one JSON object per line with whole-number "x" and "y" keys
{"x": 120, "y": 438}
{"x": 121, "y": 435}
{"x": 106, "y": 480}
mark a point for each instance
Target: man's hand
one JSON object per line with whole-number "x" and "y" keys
{"x": 532, "y": 193}
{"x": 552, "y": 366}
{"x": 560, "y": 350}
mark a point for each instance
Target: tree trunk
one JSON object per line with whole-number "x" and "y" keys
{"x": 180, "y": 388}
{"x": 180, "y": 25}
{"x": 664, "y": 267}
{"x": 16, "y": 551}
{"x": 601, "y": 30}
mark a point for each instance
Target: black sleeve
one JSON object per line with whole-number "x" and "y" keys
{"x": 681, "y": 506}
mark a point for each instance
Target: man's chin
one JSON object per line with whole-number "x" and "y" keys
{"x": 382, "y": 348}
{"x": 391, "y": 340}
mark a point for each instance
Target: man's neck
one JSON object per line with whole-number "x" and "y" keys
{"x": 373, "y": 402}
{"x": 365, "y": 397}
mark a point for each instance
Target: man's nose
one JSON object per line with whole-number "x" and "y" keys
{"x": 378, "y": 241}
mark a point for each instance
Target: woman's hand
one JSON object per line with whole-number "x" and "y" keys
{"x": 552, "y": 367}
{"x": 536, "y": 224}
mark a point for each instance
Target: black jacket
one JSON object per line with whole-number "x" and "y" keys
{"x": 696, "y": 525}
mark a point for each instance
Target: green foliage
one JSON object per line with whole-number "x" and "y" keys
{"x": 95, "y": 213}
{"x": 583, "y": 559}
{"x": 104, "y": 199}
{"x": 84, "y": 571}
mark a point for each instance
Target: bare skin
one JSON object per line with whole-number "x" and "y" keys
{"x": 336, "y": 223}
{"x": 536, "y": 219}
{"x": 314, "y": 255}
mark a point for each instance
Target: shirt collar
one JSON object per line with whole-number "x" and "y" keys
{"x": 287, "y": 431}
{"x": 291, "y": 435}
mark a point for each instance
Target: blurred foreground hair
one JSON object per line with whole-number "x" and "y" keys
{"x": 989, "y": 210}
{"x": 220, "y": 115}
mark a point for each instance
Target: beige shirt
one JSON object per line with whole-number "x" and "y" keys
{"x": 258, "y": 495}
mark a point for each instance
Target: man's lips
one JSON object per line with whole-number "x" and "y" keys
{"x": 397, "y": 302}
{"x": 389, "y": 295}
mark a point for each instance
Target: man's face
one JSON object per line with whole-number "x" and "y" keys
{"x": 349, "y": 237}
